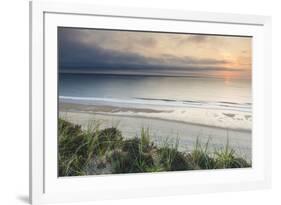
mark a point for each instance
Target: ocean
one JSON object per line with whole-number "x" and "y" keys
{"x": 209, "y": 101}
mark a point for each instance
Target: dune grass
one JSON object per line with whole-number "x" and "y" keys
{"x": 105, "y": 151}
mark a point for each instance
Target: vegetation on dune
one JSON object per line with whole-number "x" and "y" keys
{"x": 105, "y": 151}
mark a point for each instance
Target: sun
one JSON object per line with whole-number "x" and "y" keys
{"x": 229, "y": 75}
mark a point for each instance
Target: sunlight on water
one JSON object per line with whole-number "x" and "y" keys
{"x": 209, "y": 101}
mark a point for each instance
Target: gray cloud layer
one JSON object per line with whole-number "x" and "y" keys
{"x": 77, "y": 56}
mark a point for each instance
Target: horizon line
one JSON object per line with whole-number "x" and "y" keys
{"x": 150, "y": 74}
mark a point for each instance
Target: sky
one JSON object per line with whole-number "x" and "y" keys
{"x": 151, "y": 53}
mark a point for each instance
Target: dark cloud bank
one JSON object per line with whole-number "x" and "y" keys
{"x": 77, "y": 57}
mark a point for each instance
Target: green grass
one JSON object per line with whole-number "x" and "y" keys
{"x": 200, "y": 156}
{"x": 103, "y": 151}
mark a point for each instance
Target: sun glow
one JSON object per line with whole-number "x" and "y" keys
{"x": 229, "y": 75}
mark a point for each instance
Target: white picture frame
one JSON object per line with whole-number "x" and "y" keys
{"x": 46, "y": 187}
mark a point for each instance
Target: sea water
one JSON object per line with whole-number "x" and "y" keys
{"x": 210, "y": 101}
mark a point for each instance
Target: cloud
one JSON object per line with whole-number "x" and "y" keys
{"x": 84, "y": 51}
{"x": 198, "y": 38}
{"x": 187, "y": 60}
{"x": 191, "y": 39}
{"x": 75, "y": 54}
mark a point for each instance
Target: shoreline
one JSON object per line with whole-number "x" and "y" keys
{"x": 75, "y": 107}
{"x": 168, "y": 120}
{"x": 187, "y": 133}
{"x": 142, "y": 112}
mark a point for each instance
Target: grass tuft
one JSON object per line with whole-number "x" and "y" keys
{"x": 104, "y": 151}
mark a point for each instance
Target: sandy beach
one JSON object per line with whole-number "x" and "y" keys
{"x": 162, "y": 130}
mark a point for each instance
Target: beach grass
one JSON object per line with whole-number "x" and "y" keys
{"x": 94, "y": 151}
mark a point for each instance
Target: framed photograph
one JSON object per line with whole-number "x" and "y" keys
{"x": 129, "y": 102}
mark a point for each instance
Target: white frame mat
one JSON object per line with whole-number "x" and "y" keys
{"x": 46, "y": 187}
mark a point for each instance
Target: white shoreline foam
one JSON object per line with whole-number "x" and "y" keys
{"x": 133, "y": 102}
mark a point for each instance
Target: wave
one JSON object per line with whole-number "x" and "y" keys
{"x": 208, "y": 104}
{"x": 156, "y": 102}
